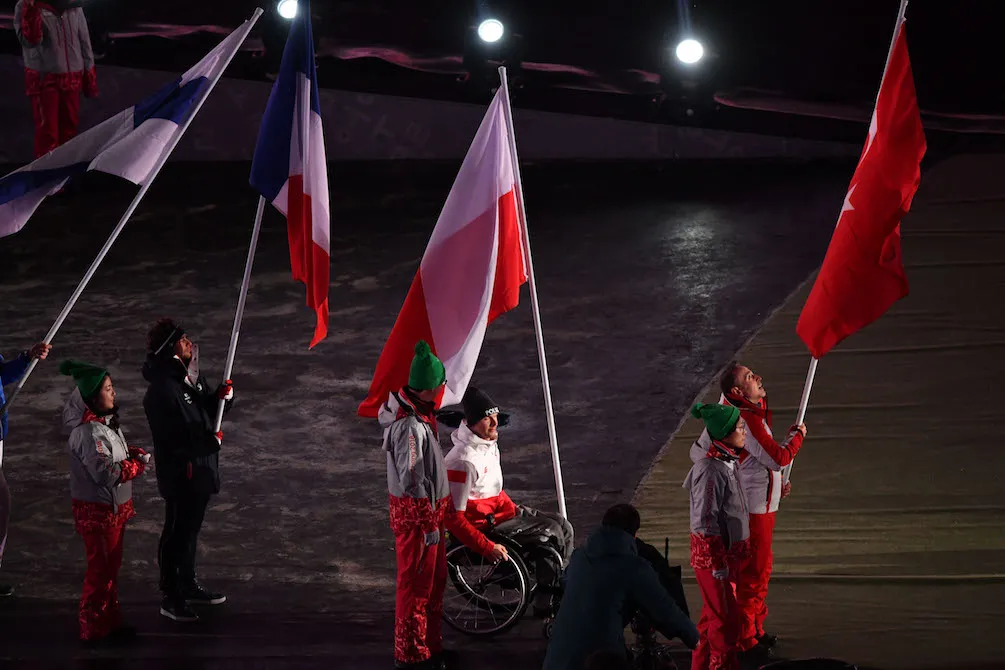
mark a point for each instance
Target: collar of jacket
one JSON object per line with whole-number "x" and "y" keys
{"x": 723, "y": 452}
{"x": 759, "y": 409}
{"x": 464, "y": 436}
{"x": 90, "y": 416}
{"x": 410, "y": 405}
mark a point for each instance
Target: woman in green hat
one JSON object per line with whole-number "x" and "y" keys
{"x": 719, "y": 535}
{"x": 102, "y": 466}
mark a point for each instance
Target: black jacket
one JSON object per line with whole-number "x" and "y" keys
{"x": 181, "y": 422}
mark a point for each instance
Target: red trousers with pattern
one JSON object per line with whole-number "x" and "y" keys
{"x": 57, "y": 114}
{"x": 719, "y": 626}
{"x": 752, "y": 585}
{"x": 103, "y": 532}
{"x": 418, "y": 605}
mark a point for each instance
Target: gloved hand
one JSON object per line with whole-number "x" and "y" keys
{"x": 225, "y": 391}
{"x": 721, "y": 574}
{"x": 786, "y": 489}
{"x": 432, "y": 537}
{"x": 131, "y": 469}
{"x": 138, "y": 454}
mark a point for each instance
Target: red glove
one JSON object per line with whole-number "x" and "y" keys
{"x": 226, "y": 391}
{"x": 138, "y": 454}
{"x": 31, "y": 23}
{"x": 131, "y": 469}
{"x": 90, "y": 83}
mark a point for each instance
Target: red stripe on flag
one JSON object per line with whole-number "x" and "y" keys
{"x": 457, "y": 476}
{"x": 309, "y": 263}
{"x": 395, "y": 361}
{"x": 510, "y": 271}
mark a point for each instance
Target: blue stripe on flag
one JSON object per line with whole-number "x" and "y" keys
{"x": 270, "y": 168}
{"x": 171, "y": 103}
{"x": 18, "y": 184}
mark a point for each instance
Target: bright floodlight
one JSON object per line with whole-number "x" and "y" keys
{"x": 690, "y": 51}
{"x": 490, "y": 30}
{"x": 287, "y": 9}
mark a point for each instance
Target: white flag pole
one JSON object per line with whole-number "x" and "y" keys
{"x": 811, "y": 373}
{"x": 548, "y": 407}
{"x": 125, "y": 217}
{"x": 228, "y": 367}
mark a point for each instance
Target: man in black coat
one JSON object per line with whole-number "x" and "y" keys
{"x": 181, "y": 411}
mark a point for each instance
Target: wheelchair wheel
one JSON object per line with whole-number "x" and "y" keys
{"x": 489, "y": 598}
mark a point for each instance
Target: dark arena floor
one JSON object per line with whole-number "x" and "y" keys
{"x": 643, "y": 298}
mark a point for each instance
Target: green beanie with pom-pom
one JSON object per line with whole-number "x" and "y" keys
{"x": 720, "y": 420}
{"x": 87, "y": 376}
{"x": 427, "y": 371}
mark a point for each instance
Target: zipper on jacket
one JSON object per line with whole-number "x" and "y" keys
{"x": 66, "y": 41}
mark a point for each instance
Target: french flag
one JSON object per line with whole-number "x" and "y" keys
{"x": 130, "y": 144}
{"x": 470, "y": 274}
{"x": 290, "y": 170}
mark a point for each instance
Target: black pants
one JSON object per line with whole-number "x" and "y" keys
{"x": 176, "y": 553}
{"x": 531, "y": 523}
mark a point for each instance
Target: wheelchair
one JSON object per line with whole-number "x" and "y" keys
{"x": 490, "y": 598}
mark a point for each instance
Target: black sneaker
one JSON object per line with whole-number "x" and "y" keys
{"x": 754, "y": 658}
{"x": 6, "y": 590}
{"x": 196, "y": 594}
{"x": 767, "y": 640}
{"x": 122, "y": 635}
{"x": 177, "y": 609}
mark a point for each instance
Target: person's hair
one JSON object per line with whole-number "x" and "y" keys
{"x": 159, "y": 334}
{"x": 623, "y": 516}
{"x": 607, "y": 660}
{"x": 728, "y": 379}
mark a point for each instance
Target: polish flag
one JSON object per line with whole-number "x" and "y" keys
{"x": 862, "y": 274}
{"x": 471, "y": 271}
{"x": 290, "y": 170}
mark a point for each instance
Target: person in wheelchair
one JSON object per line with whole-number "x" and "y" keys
{"x": 476, "y": 484}
{"x": 605, "y": 581}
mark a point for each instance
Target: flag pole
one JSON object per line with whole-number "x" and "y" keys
{"x": 811, "y": 373}
{"x": 125, "y": 218}
{"x": 235, "y": 333}
{"x": 548, "y": 407}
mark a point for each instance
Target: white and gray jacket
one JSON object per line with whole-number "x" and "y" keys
{"x": 65, "y": 45}
{"x": 718, "y": 505}
{"x": 415, "y": 467}
{"x": 96, "y": 456}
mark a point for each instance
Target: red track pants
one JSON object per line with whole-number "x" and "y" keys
{"x": 57, "y": 114}
{"x": 752, "y": 586}
{"x": 418, "y": 607}
{"x": 719, "y": 626}
{"x": 99, "y": 603}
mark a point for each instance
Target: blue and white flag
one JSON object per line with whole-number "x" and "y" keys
{"x": 130, "y": 144}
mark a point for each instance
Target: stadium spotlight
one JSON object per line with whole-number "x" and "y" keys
{"x": 689, "y": 51}
{"x": 490, "y": 30}
{"x": 287, "y": 9}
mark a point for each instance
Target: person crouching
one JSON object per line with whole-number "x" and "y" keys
{"x": 102, "y": 466}
{"x": 719, "y": 536}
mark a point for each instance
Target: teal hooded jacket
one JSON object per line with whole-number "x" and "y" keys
{"x": 601, "y": 579}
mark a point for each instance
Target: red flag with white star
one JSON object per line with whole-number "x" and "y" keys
{"x": 862, "y": 274}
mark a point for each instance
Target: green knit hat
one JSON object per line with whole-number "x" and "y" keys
{"x": 87, "y": 376}
{"x": 720, "y": 420}
{"x": 427, "y": 371}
